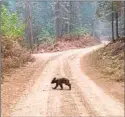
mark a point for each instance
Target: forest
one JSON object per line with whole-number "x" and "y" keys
{"x": 80, "y": 41}
{"x": 32, "y": 23}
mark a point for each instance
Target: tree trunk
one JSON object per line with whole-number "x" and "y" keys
{"x": 57, "y": 19}
{"x": 0, "y": 45}
{"x": 29, "y": 22}
{"x": 70, "y": 26}
{"x": 113, "y": 23}
{"x": 124, "y": 18}
{"x": 116, "y": 17}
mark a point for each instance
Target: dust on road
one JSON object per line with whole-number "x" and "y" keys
{"x": 84, "y": 99}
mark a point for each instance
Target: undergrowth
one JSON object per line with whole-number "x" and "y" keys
{"x": 14, "y": 55}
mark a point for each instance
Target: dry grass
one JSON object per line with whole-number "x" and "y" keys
{"x": 14, "y": 55}
{"x": 109, "y": 61}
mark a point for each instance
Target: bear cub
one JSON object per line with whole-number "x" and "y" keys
{"x": 60, "y": 82}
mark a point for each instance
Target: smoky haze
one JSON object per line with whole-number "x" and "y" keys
{"x": 58, "y": 18}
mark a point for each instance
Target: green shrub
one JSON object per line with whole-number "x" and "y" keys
{"x": 11, "y": 25}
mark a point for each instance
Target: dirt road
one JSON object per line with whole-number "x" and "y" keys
{"x": 85, "y": 98}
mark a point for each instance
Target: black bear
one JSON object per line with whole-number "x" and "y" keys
{"x": 60, "y": 82}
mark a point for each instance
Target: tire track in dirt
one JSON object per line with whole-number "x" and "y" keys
{"x": 82, "y": 107}
{"x": 54, "y": 97}
{"x": 68, "y": 105}
{"x": 77, "y": 90}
